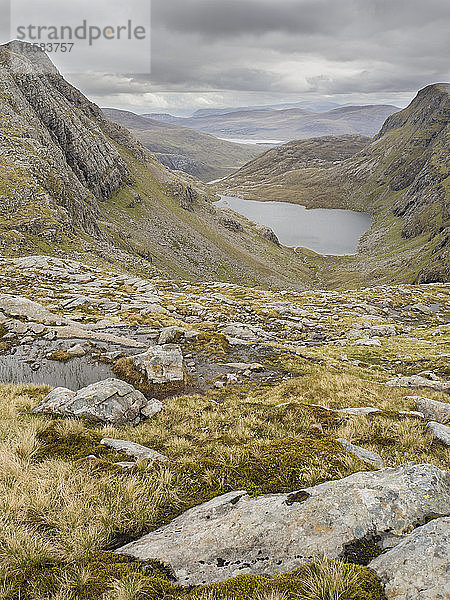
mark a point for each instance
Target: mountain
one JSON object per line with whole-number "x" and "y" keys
{"x": 401, "y": 178}
{"x": 313, "y": 105}
{"x": 290, "y": 123}
{"x": 270, "y": 176}
{"x": 183, "y": 149}
{"x": 73, "y": 183}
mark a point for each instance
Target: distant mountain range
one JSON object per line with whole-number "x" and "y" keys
{"x": 284, "y": 123}
{"x": 183, "y": 149}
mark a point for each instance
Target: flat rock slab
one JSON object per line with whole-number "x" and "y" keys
{"x": 359, "y": 410}
{"x": 267, "y": 535}
{"x": 416, "y": 382}
{"x": 418, "y": 568}
{"x": 110, "y": 401}
{"x": 134, "y": 450}
{"x": 367, "y": 455}
{"x": 432, "y": 409}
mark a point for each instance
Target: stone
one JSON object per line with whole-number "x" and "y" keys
{"x": 76, "y": 351}
{"x": 366, "y": 455}
{"x": 432, "y": 409}
{"x": 383, "y": 330}
{"x": 134, "y": 450}
{"x": 161, "y": 364}
{"x": 415, "y": 381}
{"x": 111, "y": 401}
{"x": 425, "y": 310}
{"x": 359, "y": 410}
{"x": 152, "y": 407}
{"x": 439, "y": 432}
{"x": 418, "y": 567}
{"x": 270, "y": 534}
{"x": 172, "y": 334}
{"x": 368, "y": 342}
{"x": 16, "y": 306}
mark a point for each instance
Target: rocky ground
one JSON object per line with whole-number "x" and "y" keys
{"x": 216, "y": 441}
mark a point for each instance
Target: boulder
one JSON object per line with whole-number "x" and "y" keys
{"x": 134, "y": 450}
{"x": 270, "y": 534}
{"x": 367, "y": 455}
{"x": 111, "y": 401}
{"x": 161, "y": 364}
{"x": 415, "y": 381}
{"x": 432, "y": 409}
{"x": 418, "y": 567}
{"x": 439, "y": 432}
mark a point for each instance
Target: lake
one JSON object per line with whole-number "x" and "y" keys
{"x": 326, "y": 231}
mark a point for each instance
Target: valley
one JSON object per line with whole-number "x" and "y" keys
{"x": 227, "y": 391}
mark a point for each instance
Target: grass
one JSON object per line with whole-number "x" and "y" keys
{"x": 63, "y": 500}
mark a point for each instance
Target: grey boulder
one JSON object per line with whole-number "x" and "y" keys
{"x": 432, "y": 409}
{"x": 418, "y": 567}
{"x": 236, "y": 533}
{"x": 111, "y": 401}
{"x": 161, "y": 364}
{"x": 439, "y": 432}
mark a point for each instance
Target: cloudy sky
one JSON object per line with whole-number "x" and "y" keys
{"x": 208, "y": 53}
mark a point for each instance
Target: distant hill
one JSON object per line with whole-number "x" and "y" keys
{"x": 289, "y": 123}
{"x": 188, "y": 150}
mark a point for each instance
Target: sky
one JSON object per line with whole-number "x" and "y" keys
{"x": 214, "y": 53}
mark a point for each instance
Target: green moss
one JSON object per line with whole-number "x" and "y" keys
{"x": 276, "y": 466}
{"x": 324, "y": 580}
{"x": 55, "y": 443}
{"x": 124, "y": 369}
{"x": 60, "y": 356}
{"x": 211, "y": 344}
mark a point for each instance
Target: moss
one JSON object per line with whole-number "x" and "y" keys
{"x": 124, "y": 369}
{"x": 101, "y": 570}
{"x": 362, "y": 551}
{"x": 276, "y": 466}
{"x": 211, "y": 344}
{"x": 60, "y": 356}
{"x": 337, "y": 579}
{"x": 55, "y": 443}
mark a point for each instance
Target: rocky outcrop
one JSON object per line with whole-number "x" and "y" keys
{"x": 432, "y": 409}
{"x": 418, "y": 567}
{"x": 64, "y": 157}
{"x": 111, "y": 401}
{"x": 235, "y": 533}
{"x": 417, "y": 382}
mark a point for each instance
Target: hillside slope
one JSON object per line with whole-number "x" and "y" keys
{"x": 180, "y": 148}
{"x": 74, "y": 183}
{"x": 292, "y": 123}
{"x": 401, "y": 178}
